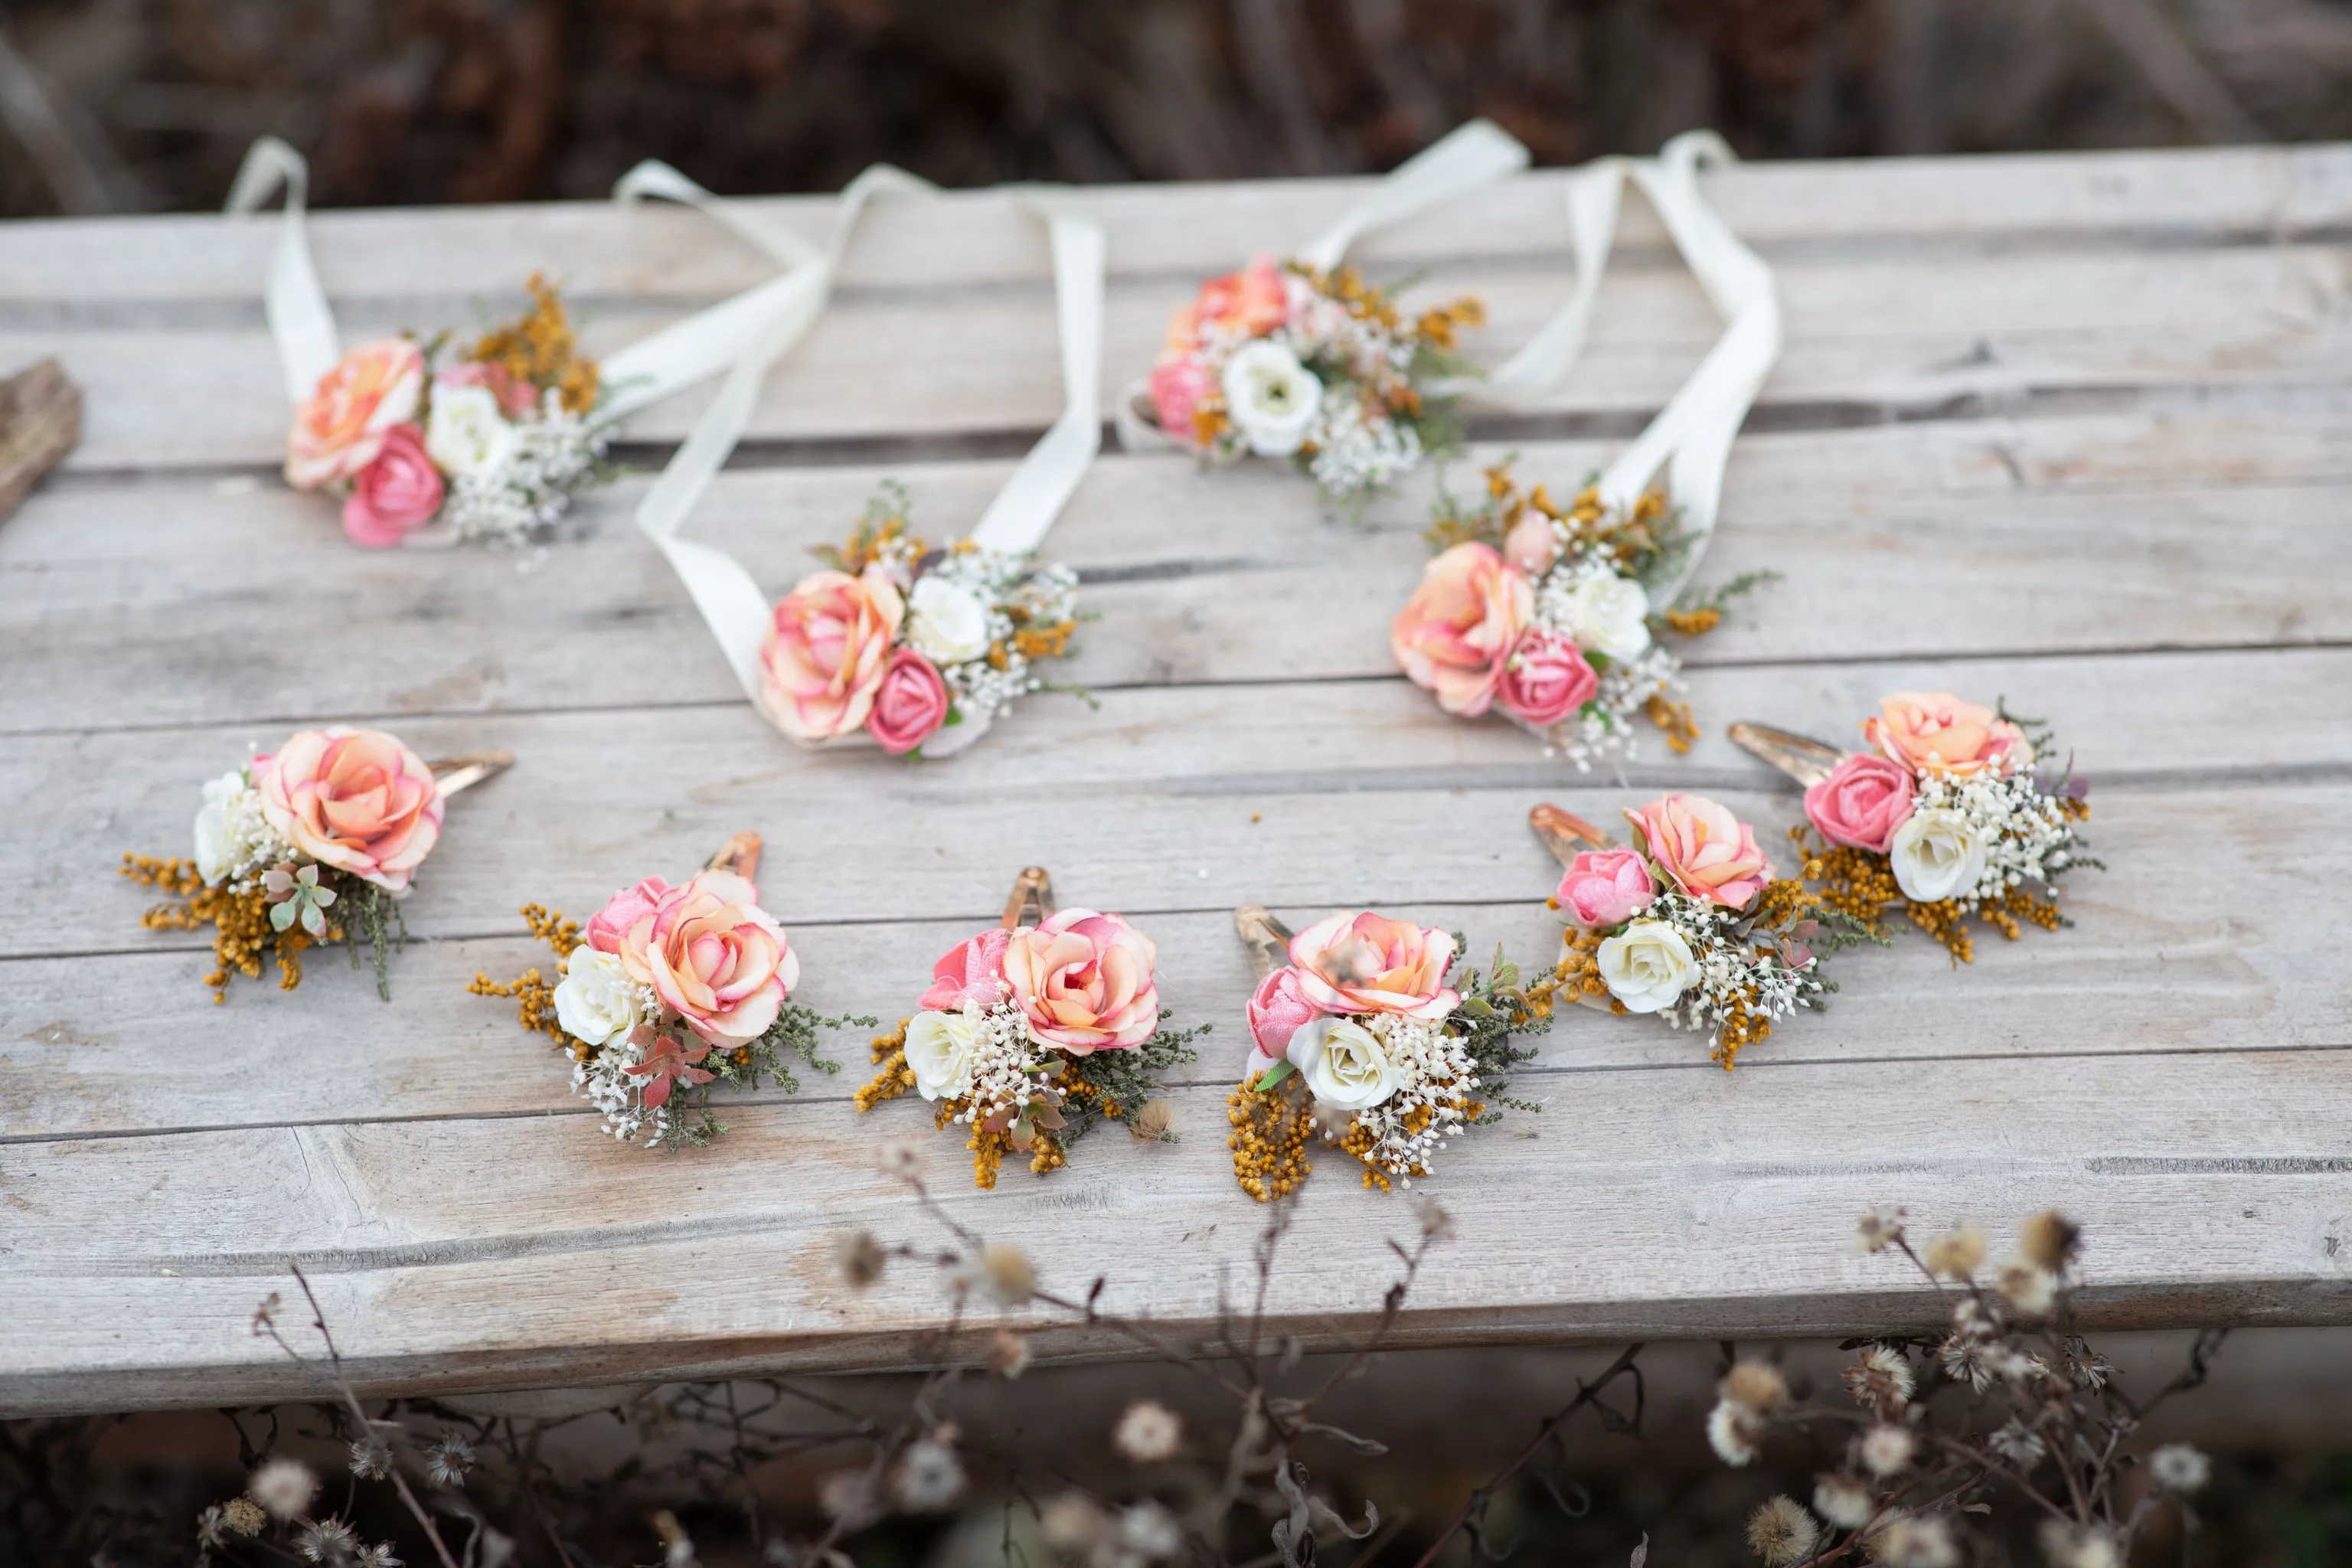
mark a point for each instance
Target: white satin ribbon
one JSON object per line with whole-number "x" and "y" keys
{"x": 733, "y": 604}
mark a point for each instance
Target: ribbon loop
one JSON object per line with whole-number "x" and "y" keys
{"x": 1466, "y": 158}
{"x": 301, "y": 322}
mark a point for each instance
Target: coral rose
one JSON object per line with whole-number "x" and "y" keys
{"x": 1248, "y": 303}
{"x": 827, "y": 650}
{"x": 1084, "y": 980}
{"x": 357, "y": 800}
{"x": 1862, "y": 803}
{"x": 339, "y": 429}
{"x": 713, "y": 956}
{"x": 1180, "y": 384}
{"x": 610, "y": 925}
{"x": 400, "y": 490}
{"x": 1604, "y": 888}
{"x": 1545, "y": 679}
{"x": 1455, "y": 633}
{"x": 1704, "y": 849}
{"x": 1370, "y": 963}
{"x": 1278, "y": 1011}
{"x": 909, "y": 705}
{"x": 974, "y": 972}
{"x": 1935, "y": 733}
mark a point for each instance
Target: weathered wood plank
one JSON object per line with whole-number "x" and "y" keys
{"x": 483, "y": 1254}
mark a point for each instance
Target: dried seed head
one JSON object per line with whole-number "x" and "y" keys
{"x": 447, "y": 1462}
{"x": 1887, "y": 1449}
{"x": 902, "y": 1158}
{"x": 1008, "y": 1354}
{"x": 1913, "y": 1541}
{"x": 1757, "y": 1384}
{"x": 1435, "y": 1224}
{"x": 2067, "y": 1546}
{"x": 1006, "y": 1268}
{"x": 1782, "y": 1532}
{"x": 370, "y": 1459}
{"x": 2049, "y": 1240}
{"x": 2180, "y": 1468}
{"x": 1155, "y": 1124}
{"x": 928, "y": 1478}
{"x": 1956, "y": 1254}
{"x": 1070, "y": 1523}
{"x": 1881, "y": 1380}
{"x": 1150, "y": 1532}
{"x": 2028, "y": 1288}
{"x": 850, "y": 1496}
{"x": 2021, "y": 1445}
{"x": 859, "y": 1257}
{"x": 1844, "y": 1501}
{"x": 283, "y": 1488}
{"x": 1735, "y": 1431}
{"x": 1880, "y": 1229}
{"x": 1149, "y": 1431}
{"x": 327, "y": 1540}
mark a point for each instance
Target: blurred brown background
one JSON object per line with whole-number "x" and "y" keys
{"x": 126, "y": 105}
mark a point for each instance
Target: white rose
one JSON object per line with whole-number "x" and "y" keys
{"x": 215, "y": 839}
{"x": 1647, "y": 966}
{"x": 466, "y": 436}
{"x": 1938, "y": 854}
{"x": 945, "y": 622}
{"x": 1271, "y": 397}
{"x": 1609, "y": 614}
{"x": 596, "y": 1001}
{"x": 940, "y": 1048}
{"x": 1344, "y": 1063}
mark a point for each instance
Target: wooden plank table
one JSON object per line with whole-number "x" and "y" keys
{"x": 2074, "y": 431}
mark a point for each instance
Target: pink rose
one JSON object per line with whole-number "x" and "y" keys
{"x": 516, "y": 396}
{"x": 1179, "y": 385}
{"x": 909, "y": 705}
{"x": 339, "y": 429}
{"x": 400, "y": 490}
{"x": 1454, "y": 635}
{"x": 1084, "y": 982}
{"x": 1606, "y": 887}
{"x": 1370, "y": 963}
{"x": 1862, "y": 803}
{"x": 713, "y": 956}
{"x": 357, "y": 800}
{"x": 1248, "y": 303}
{"x": 827, "y": 650}
{"x": 1545, "y": 679}
{"x": 1531, "y": 546}
{"x": 1276, "y": 1012}
{"x": 974, "y": 972}
{"x": 1935, "y": 733}
{"x": 1704, "y": 850}
{"x": 608, "y": 926}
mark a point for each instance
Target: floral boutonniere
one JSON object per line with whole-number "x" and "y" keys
{"x": 919, "y": 648}
{"x": 1540, "y": 612}
{"x": 1033, "y": 1032}
{"x": 1313, "y": 365}
{"x": 314, "y": 843}
{"x": 1689, "y": 924}
{"x": 1372, "y": 1034}
{"x": 1948, "y": 817}
{"x": 667, "y": 992}
{"x": 489, "y": 441}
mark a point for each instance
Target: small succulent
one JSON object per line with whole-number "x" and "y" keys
{"x": 295, "y": 895}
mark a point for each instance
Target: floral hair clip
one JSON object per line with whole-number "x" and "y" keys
{"x": 1551, "y": 615}
{"x": 1946, "y": 817}
{"x": 1370, "y": 1033}
{"x": 669, "y": 991}
{"x": 1689, "y": 924}
{"x": 914, "y": 647}
{"x": 1033, "y": 1032}
{"x": 313, "y": 842}
{"x": 488, "y": 442}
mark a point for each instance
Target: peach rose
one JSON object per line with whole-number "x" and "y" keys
{"x": 1370, "y": 963}
{"x": 357, "y": 800}
{"x": 974, "y": 972}
{"x": 909, "y": 705}
{"x": 1084, "y": 982}
{"x": 340, "y": 428}
{"x": 827, "y": 652}
{"x": 1704, "y": 850}
{"x": 713, "y": 956}
{"x": 1545, "y": 679}
{"x": 1935, "y": 733}
{"x": 1862, "y": 803}
{"x": 1248, "y": 303}
{"x": 1277, "y": 1010}
{"x": 400, "y": 490}
{"x": 1454, "y": 636}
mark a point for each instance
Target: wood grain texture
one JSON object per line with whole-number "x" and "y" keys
{"x": 2067, "y": 430}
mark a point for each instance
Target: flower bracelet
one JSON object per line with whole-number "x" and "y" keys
{"x": 1033, "y": 1032}
{"x": 1945, "y": 817}
{"x": 668, "y": 991}
{"x": 314, "y": 843}
{"x": 1689, "y": 924}
{"x": 1369, "y": 1033}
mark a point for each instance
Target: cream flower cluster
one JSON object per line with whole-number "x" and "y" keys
{"x": 985, "y": 1056}
{"x": 234, "y": 842}
{"x": 1430, "y": 1069}
{"x": 1682, "y": 959}
{"x": 968, "y": 604}
{"x": 1971, "y": 840}
{"x": 598, "y": 1005}
{"x": 509, "y": 481}
{"x": 1584, "y": 599}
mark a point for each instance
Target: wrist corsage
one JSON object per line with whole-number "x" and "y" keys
{"x": 1033, "y": 1032}
{"x": 669, "y": 991}
{"x": 1946, "y": 817}
{"x": 1689, "y": 924}
{"x": 921, "y": 648}
{"x": 313, "y": 842}
{"x": 1540, "y": 612}
{"x": 1373, "y": 1034}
